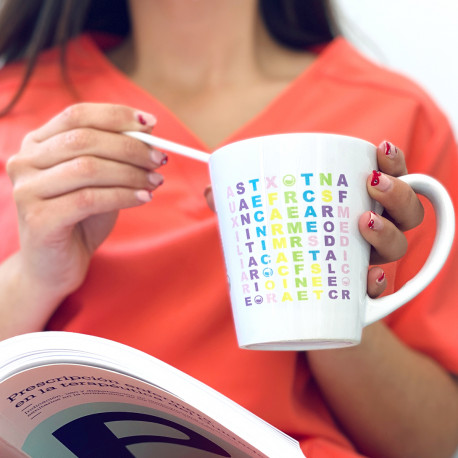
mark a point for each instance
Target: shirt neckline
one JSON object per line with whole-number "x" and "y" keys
{"x": 94, "y": 52}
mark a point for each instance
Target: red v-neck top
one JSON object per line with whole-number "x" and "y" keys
{"x": 158, "y": 282}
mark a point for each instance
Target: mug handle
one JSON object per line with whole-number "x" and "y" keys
{"x": 445, "y": 230}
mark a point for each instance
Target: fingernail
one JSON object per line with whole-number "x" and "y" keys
{"x": 381, "y": 278}
{"x": 155, "y": 179}
{"x": 375, "y": 222}
{"x": 380, "y": 180}
{"x": 145, "y": 119}
{"x": 390, "y": 150}
{"x": 158, "y": 157}
{"x": 143, "y": 195}
{"x": 375, "y": 178}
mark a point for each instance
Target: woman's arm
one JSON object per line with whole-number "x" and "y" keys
{"x": 24, "y": 306}
{"x": 391, "y": 400}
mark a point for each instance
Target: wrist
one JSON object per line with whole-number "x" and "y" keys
{"x": 26, "y": 303}
{"x": 42, "y": 286}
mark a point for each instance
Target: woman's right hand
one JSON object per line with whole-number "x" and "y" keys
{"x": 71, "y": 177}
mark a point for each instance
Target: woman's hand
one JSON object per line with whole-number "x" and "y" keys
{"x": 70, "y": 178}
{"x": 402, "y": 211}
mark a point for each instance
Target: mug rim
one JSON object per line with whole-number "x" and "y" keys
{"x": 323, "y": 135}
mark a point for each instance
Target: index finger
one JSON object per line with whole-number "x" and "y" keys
{"x": 102, "y": 116}
{"x": 391, "y": 159}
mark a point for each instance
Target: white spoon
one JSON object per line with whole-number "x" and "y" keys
{"x": 170, "y": 146}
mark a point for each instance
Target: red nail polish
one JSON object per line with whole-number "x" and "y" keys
{"x": 165, "y": 159}
{"x": 145, "y": 119}
{"x": 375, "y": 222}
{"x": 375, "y": 178}
{"x": 381, "y": 278}
{"x": 390, "y": 150}
{"x": 387, "y": 148}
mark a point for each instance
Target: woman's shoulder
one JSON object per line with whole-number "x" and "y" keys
{"x": 351, "y": 65}
{"x": 47, "y": 66}
{"x": 48, "y": 72}
{"x": 348, "y": 66}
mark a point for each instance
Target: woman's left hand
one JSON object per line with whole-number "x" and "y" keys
{"x": 402, "y": 211}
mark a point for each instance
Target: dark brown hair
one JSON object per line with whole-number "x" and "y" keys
{"x": 26, "y": 30}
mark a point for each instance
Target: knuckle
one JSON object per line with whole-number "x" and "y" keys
{"x": 414, "y": 210}
{"x": 20, "y": 160}
{"x": 392, "y": 246}
{"x": 420, "y": 211}
{"x": 77, "y": 139}
{"x": 29, "y": 218}
{"x": 74, "y": 114}
{"x": 410, "y": 200}
{"x": 401, "y": 169}
{"x": 401, "y": 247}
{"x": 84, "y": 166}
{"x": 84, "y": 199}
{"x": 405, "y": 198}
{"x": 15, "y": 166}
{"x": 12, "y": 165}
{"x": 28, "y": 138}
{"x": 32, "y": 217}
{"x": 20, "y": 192}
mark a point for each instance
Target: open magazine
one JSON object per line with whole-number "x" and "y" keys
{"x": 72, "y": 395}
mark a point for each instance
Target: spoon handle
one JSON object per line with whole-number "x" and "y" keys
{"x": 170, "y": 146}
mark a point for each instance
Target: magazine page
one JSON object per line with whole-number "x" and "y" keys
{"x": 49, "y": 353}
{"x": 73, "y": 410}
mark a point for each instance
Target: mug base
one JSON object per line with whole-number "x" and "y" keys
{"x": 301, "y": 345}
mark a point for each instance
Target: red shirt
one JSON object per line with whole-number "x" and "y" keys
{"x": 158, "y": 282}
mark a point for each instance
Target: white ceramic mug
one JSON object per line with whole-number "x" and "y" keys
{"x": 288, "y": 207}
